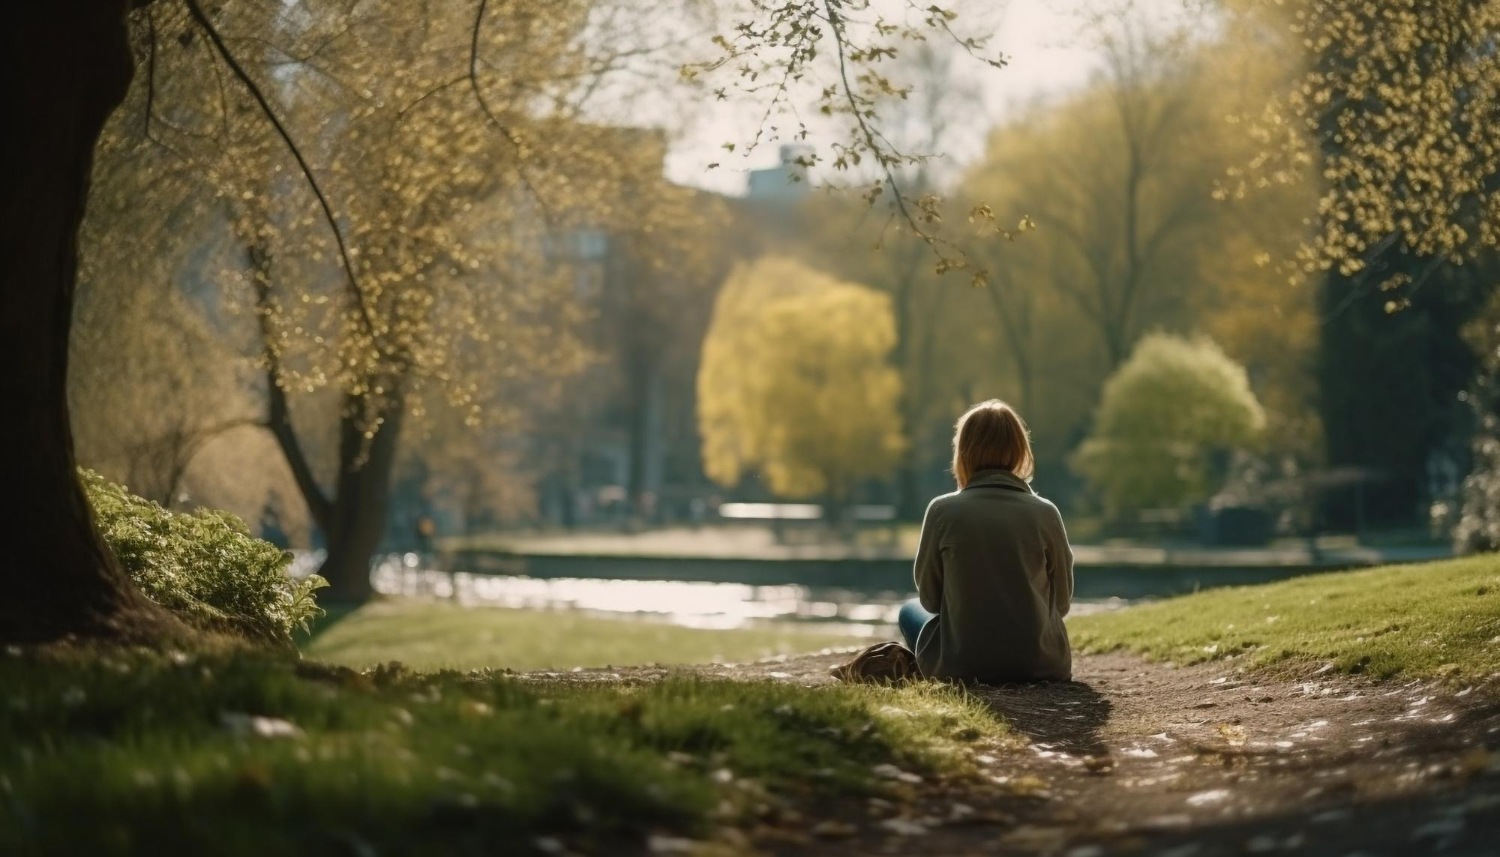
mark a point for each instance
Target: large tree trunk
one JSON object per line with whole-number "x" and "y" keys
{"x": 1389, "y": 389}
{"x": 70, "y": 67}
{"x": 352, "y": 518}
{"x": 356, "y": 522}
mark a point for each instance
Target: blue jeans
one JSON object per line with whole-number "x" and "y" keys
{"x": 912, "y": 618}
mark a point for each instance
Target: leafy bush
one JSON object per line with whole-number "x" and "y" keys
{"x": 204, "y": 566}
{"x": 1173, "y": 408}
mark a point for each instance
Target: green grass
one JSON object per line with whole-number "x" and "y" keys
{"x": 1430, "y": 619}
{"x": 107, "y": 753}
{"x": 434, "y": 635}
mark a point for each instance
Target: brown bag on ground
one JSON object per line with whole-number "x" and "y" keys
{"x": 884, "y": 663}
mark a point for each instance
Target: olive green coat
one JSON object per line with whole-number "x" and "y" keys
{"x": 995, "y": 566}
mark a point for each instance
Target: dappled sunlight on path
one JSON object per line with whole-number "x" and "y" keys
{"x": 1185, "y": 761}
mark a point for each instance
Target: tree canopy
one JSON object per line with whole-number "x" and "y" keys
{"x": 1393, "y": 114}
{"x": 1162, "y": 416}
{"x": 383, "y": 201}
{"x": 795, "y": 383}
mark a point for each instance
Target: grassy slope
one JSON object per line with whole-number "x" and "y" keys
{"x": 1431, "y": 619}
{"x": 394, "y": 762}
{"x": 427, "y": 635}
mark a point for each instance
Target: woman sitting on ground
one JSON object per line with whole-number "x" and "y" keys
{"x": 994, "y": 571}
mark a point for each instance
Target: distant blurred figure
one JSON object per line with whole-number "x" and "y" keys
{"x": 426, "y": 529}
{"x": 697, "y": 511}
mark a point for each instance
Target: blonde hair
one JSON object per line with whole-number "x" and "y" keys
{"x": 991, "y": 436}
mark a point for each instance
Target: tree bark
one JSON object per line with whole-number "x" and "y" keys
{"x": 353, "y": 517}
{"x": 356, "y": 522}
{"x": 70, "y": 66}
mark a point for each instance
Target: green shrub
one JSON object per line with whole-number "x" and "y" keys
{"x": 204, "y": 566}
{"x": 1164, "y": 415}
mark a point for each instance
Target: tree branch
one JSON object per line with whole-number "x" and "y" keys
{"x": 279, "y": 421}
{"x": 196, "y": 10}
{"x": 839, "y": 37}
{"x": 191, "y": 442}
{"x": 278, "y": 408}
{"x": 495, "y": 120}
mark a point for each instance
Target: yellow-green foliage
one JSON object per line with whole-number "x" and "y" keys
{"x": 795, "y": 381}
{"x": 426, "y": 635}
{"x": 204, "y": 566}
{"x": 1172, "y": 404}
{"x": 1401, "y": 98}
{"x": 1440, "y": 618}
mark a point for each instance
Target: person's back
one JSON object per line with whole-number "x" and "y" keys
{"x": 994, "y": 571}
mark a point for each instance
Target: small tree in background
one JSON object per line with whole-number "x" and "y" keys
{"x": 795, "y": 382}
{"x": 1165, "y": 416}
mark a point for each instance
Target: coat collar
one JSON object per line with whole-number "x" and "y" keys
{"x": 999, "y": 479}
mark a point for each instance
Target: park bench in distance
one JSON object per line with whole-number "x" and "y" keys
{"x": 807, "y": 522}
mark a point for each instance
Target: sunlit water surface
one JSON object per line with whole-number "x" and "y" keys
{"x": 696, "y": 604}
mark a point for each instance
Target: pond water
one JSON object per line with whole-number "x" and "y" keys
{"x": 696, "y": 604}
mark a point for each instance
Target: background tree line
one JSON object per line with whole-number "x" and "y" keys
{"x": 320, "y": 235}
{"x": 1211, "y": 188}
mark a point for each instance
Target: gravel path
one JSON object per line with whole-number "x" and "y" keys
{"x": 1138, "y": 757}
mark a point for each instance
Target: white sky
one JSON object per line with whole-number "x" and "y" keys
{"x": 1044, "y": 41}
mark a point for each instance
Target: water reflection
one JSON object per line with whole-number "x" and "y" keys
{"x": 697, "y": 604}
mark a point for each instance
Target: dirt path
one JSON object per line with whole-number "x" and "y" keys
{"x": 1135, "y": 757}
